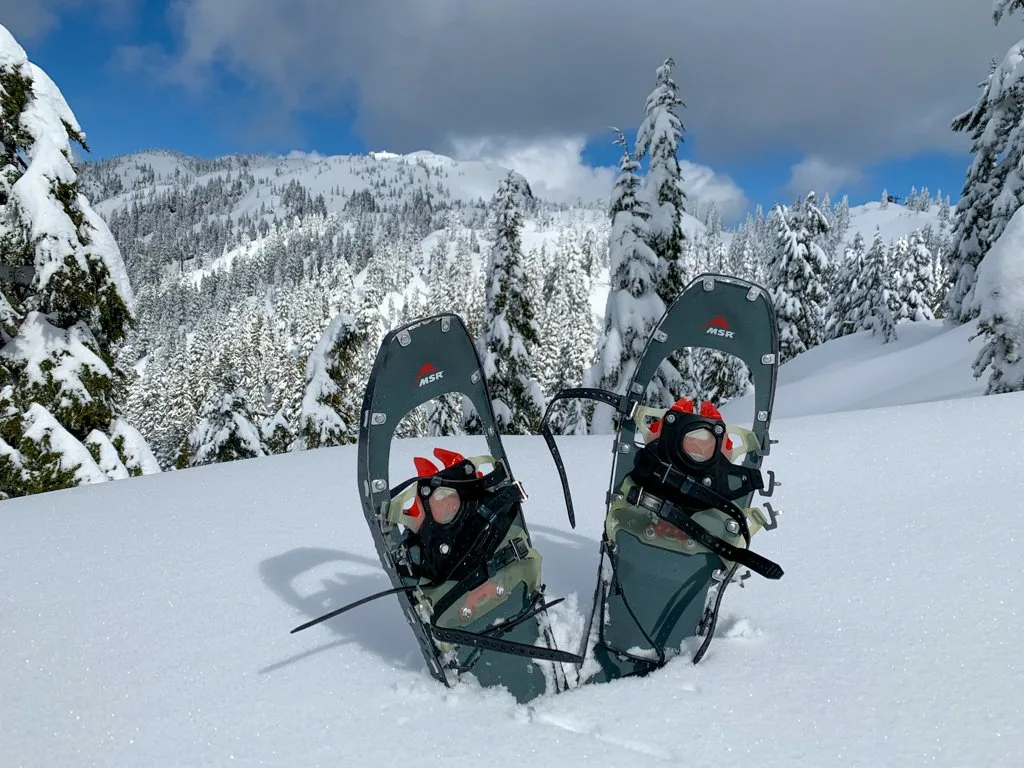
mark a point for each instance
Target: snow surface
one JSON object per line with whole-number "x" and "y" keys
{"x": 146, "y": 622}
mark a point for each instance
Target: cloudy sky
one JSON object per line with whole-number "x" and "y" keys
{"x": 781, "y": 95}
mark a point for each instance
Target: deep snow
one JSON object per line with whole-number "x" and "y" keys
{"x": 146, "y": 622}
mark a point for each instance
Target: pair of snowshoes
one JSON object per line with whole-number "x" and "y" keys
{"x": 678, "y": 521}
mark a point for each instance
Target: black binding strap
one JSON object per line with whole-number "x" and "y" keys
{"x": 516, "y": 549}
{"x": 489, "y": 643}
{"x": 623, "y": 405}
{"x": 759, "y": 564}
{"x": 650, "y": 467}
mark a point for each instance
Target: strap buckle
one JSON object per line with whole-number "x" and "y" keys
{"x": 523, "y": 495}
{"x": 515, "y": 546}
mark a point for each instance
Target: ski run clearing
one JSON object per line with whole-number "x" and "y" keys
{"x": 146, "y": 622}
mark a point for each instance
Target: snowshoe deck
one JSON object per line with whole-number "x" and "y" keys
{"x": 675, "y": 532}
{"x": 469, "y": 581}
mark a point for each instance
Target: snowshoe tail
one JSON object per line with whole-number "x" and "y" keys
{"x": 678, "y": 520}
{"x": 453, "y": 539}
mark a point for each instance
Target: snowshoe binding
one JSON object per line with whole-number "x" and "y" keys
{"x": 453, "y": 538}
{"x": 678, "y": 522}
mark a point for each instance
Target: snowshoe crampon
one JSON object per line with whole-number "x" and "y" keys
{"x": 453, "y": 538}
{"x": 678, "y": 521}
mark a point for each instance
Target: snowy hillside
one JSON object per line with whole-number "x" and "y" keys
{"x": 929, "y": 361}
{"x": 893, "y": 221}
{"x": 136, "y": 177}
{"x": 146, "y": 621}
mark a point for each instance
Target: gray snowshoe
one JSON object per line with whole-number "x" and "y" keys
{"x": 678, "y": 521}
{"x": 453, "y": 538}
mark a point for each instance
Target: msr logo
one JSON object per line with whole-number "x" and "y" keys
{"x": 428, "y": 375}
{"x": 719, "y": 326}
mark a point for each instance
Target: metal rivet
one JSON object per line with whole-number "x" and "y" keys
{"x": 404, "y": 338}
{"x": 768, "y": 359}
{"x": 446, "y": 323}
{"x": 718, "y": 575}
{"x": 499, "y": 591}
{"x": 718, "y": 429}
{"x": 660, "y": 336}
{"x": 378, "y": 418}
{"x": 762, "y": 415}
{"x": 649, "y": 533}
{"x": 670, "y": 417}
{"x": 709, "y": 283}
{"x": 732, "y": 527}
{"x": 490, "y": 431}
{"x": 380, "y": 485}
{"x": 444, "y": 549}
{"x": 707, "y": 481}
{"x": 753, "y": 293}
{"x": 425, "y": 491}
{"x": 475, "y": 377}
{"x": 467, "y": 612}
{"x": 469, "y": 469}
{"x": 689, "y": 544}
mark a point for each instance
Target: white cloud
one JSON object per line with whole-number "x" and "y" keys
{"x": 703, "y": 185}
{"x": 554, "y": 166}
{"x": 556, "y": 171}
{"x": 815, "y": 174}
{"x": 841, "y": 80}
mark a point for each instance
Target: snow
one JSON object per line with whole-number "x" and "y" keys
{"x": 929, "y": 361}
{"x": 999, "y": 291}
{"x": 137, "y": 452}
{"x": 41, "y": 428}
{"x": 893, "y": 221}
{"x": 146, "y": 621}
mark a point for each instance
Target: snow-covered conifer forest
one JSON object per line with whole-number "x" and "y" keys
{"x": 184, "y": 311}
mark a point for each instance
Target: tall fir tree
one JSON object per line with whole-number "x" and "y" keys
{"x": 658, "y": 139}
{"x": 843, "y": 313}
{"x": 569, "y": 333}
{"x": 988, "y": 123}
{"x": 225, "y": 430}
{"x": 510, "y": 326}
{"x": 876, "y": 313}
{"x": 915, "y": 279}
{"x": 59, "y": 380}
{"x": 796, "y": 277}
{"x": 634, "y": 307}
{"x": 334, "y": 386}
{"x": 999, "y": 305}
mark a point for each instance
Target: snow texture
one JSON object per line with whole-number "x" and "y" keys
{"x": 999, "y": 301}
{"x": 146, "y": 622}
{"x": 137, "y": 453}
{"x": 40, "y": 426}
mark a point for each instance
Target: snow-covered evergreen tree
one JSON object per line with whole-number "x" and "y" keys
{"x": 988, "y": 123}
{"x": 334, "y": 386}
{"x": 569, "y": 334}
{"x": 658, "y": 139}
{"x": 796, "y": 277}
{"x": 634, "y": 307}
{"x": 876, "y": 313}
{"x": 915, "y": 279}
{"x": 999, "y": 305}
{"x": 225, "y": 431}
{"x": 59, "y": 380}
{"x": 843, "y": 313}
{"x": 510, "y": 331}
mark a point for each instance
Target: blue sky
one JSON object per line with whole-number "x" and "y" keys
{"x": 124, "y": 77}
